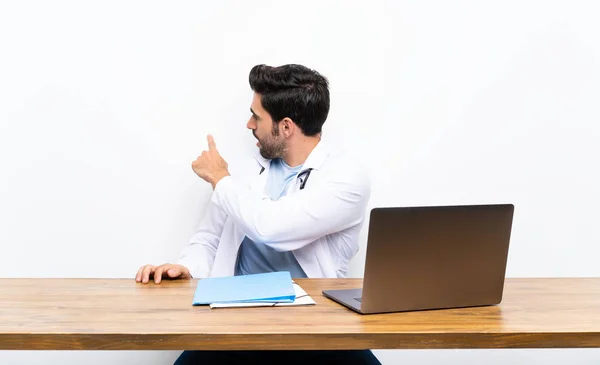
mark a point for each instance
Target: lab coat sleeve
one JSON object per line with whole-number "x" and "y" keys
{"x": 199, "y": 255}
{"x": 295, "y": 220}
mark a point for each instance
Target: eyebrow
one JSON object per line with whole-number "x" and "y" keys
{"x": 252, "y": 111}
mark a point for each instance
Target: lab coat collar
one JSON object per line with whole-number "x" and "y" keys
{"x": 314, "y": 161}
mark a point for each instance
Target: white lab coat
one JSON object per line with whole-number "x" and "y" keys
{"x": 320, "y": 223}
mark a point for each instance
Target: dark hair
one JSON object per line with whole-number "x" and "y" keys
{"x": 293, "y": 91}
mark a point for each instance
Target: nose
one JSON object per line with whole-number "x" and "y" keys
{"x": 251, "y": 124}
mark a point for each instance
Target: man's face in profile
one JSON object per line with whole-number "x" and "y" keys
{"x": 270, "y": 142}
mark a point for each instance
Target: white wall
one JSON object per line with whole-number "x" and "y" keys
{"x": 103, "y": 106}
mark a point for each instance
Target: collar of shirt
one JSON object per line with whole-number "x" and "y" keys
{"x": 314, "y": 160}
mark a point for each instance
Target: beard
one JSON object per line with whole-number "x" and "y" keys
{"x": 272, "y": 146}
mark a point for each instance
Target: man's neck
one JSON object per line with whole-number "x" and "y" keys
{"x": 298, "y": 152}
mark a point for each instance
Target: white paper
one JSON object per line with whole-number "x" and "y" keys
{"x": 302, "y": 298}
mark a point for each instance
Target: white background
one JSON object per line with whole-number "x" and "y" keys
{"x": 104, "y": 105}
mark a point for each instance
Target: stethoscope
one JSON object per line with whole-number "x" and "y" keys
{"x": 303, "y": 176}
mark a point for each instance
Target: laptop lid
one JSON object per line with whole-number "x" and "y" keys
{"x": 436, "y": 257}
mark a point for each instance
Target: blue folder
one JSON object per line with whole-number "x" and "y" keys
{"x": 268, "y": 287}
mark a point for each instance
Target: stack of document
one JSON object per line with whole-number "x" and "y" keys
{"x": 258, "y": 290}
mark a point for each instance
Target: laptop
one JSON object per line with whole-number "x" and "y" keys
{"x": 433, "y": 257}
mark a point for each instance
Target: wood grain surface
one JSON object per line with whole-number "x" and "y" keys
{"x": 120, "y": 314}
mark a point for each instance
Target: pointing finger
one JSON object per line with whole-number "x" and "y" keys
{"x": 211, "y": 143}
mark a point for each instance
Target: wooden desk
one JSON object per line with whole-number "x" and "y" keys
{"x": 119, "y": 314}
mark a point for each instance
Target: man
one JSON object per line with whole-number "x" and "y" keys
{"x": 300, "y": 210}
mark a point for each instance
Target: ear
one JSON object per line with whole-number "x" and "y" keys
{"x": 287, "y": 127}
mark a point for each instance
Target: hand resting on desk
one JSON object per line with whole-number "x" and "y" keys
{"x": 167, "y": 271}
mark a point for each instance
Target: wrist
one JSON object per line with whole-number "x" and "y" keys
{"x": 217, "y": 177}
